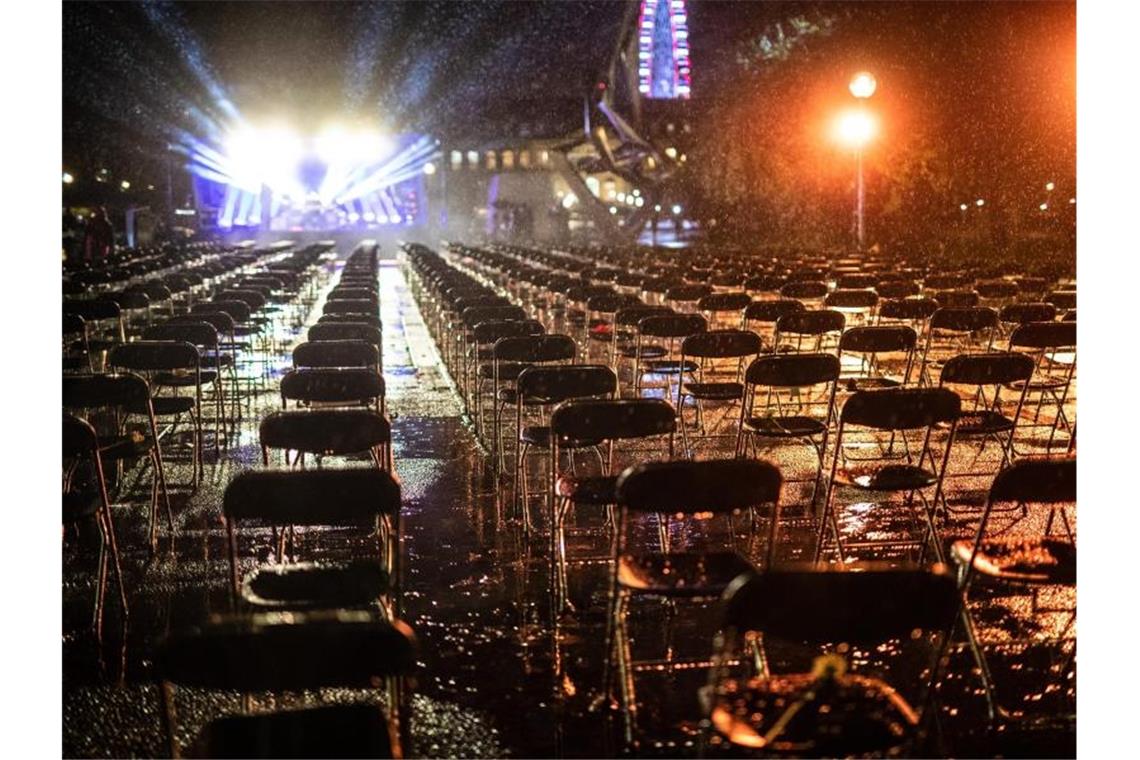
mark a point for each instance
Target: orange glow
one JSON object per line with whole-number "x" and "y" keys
{"x": 855, "y": 128}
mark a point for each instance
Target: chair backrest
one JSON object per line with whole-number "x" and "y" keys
{"x": 311, "y": 497}
{"x": 964, "y": 318}
{"x": 896, "y": 288}
{"x": 325, "y": 431}
{"x": 855, "y": 281}
{"x": 901, "y": 408}
{"x": 198, "y": 332}
{"x": 878, "y": 339}
{"x": 336, "y": 353}
{"x": 93, "y": 309}
{"x": 492, "y": 330}
{"x": 534, "y": 348}
{"x": 97, "y": 391}
{"x": 350, "y": 306}
{"x": 908, "y": 308}
{"x": 722, "y": 344}
{"x": 809, "y": 289}
{"x": 687, "y": 487}
{"x": 552, "y": 385}
{"x": 811, "y": 322}
{"x": 613, "y": 419}
{"x": 346, "y": 331}
{"x": 992, "y": 368}
{"x": 854, "y": 603}
{"x": 687, "y": 293}
{"x": 1044, "y": 481}
{"x": 998, "y": 289}
{"x": 611, "y": 302}
{"x": 632, "y": 315}
{"x": 341, "y": 385}
{"x": 155, "y": 355}
{"x": 672, "y": 325}
{"x": 1044, "y": 335}
{"x": 715, "y": 302}
{"x": 851, "y": 299}
{"x": 79, "y": 438}
{"x": 793, "y": 370}
{"x": 1020, "y": 313}
{"x": 956, "y": 299}
{"x": 771, "y": 311}
{"x": 239, "y": 310}
{"x": 73, "y": 324}
{"x": 288, "y": 651}
{"x": 1063, "y": 299}
{"x": 473, "y": 315}
{"x": 372, "y": 320}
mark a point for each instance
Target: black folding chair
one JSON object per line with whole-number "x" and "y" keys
{"x": 899, "y": 413}
{"x": 296, "y": 652}
{"x": 712, "y": 382}
{"x": 817, "y": 326}
{"x": 363, "y": 498}
{"x": 829, "y": 710}
{"x": 870, "y": 343}
{"x": 1053, "y": 346}
{"x": 80, "y": 445}
{"x": 1019, "y": 563}
{"x": 678, "y": 490}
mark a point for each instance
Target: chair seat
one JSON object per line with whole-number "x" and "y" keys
{"x": 1039, "y": 383}
{"x": 792, "y": 426}
{"x": 358, "y": 730}
{"x": 681, "y": 574}
{"x": 603, "y": 331}
{"x": 129, "y": 446}
{"x": 600, "y": 490}
{"x": 165, "y": 406}
{"x": 669, "y": 366}
{"x": 73, "y": 363}
{"x": 184, "y": 379}
{"x": 538, "y": 436}
{"x": 714, "y": 391}
{"x": 982, "y": 423}
{"x": 871, "y": 383}
{"x": 215, "y": 360}
{"x": 850, "y": 715}
{"x": 892, "y": 477}
{"x": 316, "y": 585}
{"x": 78, "y": 505}
{"x": 1032, "y": 560}
{"x": 647, "y": 352}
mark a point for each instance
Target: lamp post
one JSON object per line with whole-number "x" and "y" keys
{"x": 856, "y": 129}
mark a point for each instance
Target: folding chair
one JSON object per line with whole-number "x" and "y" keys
{"x": 1020, "y": 563}
{"x": 858, "y": 305}
{"x": 293, "y": 652}
{"x": 76, "y": 351}
{"x": 625, "y": 345}
{"x": 954, "y": 331}
{"x": 668, "y": 330}
{"x": 484, "y": 369}
{"x": 767, "y": 314}
{"x": 336, "y": 353}
{"x": 328, "y": 432}
{"x": 366, "y": 498}
{"x": 539, "y": 389}
{"x": 712, "y": 383}
{"x": 819, "y": 325}
{"x": 724, "y": 310}
{"x": 122, "y": 396}
{"x": 603, "y": 421}
{"x": 790, "y": 418}
{"x": 1053, "y": 346}
{"x": 898, "y": 412}
{"x": 678, "y": 490}
{"x": 81, "y": 444}
{"x": 870, "y": 343}
{"x": 834, "y": 709}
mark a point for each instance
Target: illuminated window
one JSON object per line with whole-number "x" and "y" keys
{"x": 456, "y": 159}
{"x": 664, "y": 70}
{"x": 491, "y": 159}
{"x": 473, "y": 158}
{"x": 508, "y": 159}
{"x": 524, "y": 158}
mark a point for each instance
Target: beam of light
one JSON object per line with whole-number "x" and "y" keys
{"x": 404, "y": 165}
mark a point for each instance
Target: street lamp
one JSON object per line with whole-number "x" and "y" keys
{"x": 855, "y": 128}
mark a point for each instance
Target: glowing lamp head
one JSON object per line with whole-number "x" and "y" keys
{"x": 980, "y": 201}
{"x": 963, "y": 207}
{"x": 1049, "y": 186}
{"x": 862, "y": 85}
{"x": 125, "y": 185}
{"x": 855, "y": 128}
{"x": 67, "y": 178}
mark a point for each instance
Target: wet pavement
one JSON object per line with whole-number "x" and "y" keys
{"x": 493, "y": 681}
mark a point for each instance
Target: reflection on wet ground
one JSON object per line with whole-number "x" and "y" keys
{"x": 477, "y": 597}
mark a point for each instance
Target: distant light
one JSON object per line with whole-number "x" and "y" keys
{"x": 862, "y": 85}
{"x": 184, "y": 212}
{"x": 369, "y": 216}
{"x": 125, "y": 185}
{"x": 636, "y": 192}
{"x": 963, "y": 207}
{"x": 621, "y": 197}
{"x": 855, "y": 128}
{"x": 639, "y": 201}
{"x": 980, "y": 202}
{"x": 676, "y": 208}
{"x": 671, "y": 152}
{"x": 429, "y": 168}
{"x": 1049, "y": 186}
{"x": 613, "y": 209}
{"x": 383, "y": 219}
{"x": 657, "y": 207}
{"x": 150, "y": 187}
{"x": 67, "y": 178}
{"x": 569, "y": 200}
{"x": 1072, "y": 200}
{"x": 1044, "y": 207}
{"x": 353, "y": 216}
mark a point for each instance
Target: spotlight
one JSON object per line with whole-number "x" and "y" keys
{"x": 67, "y": 178}
{"x": 676, "y": 208}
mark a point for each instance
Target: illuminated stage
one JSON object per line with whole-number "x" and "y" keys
{"x": 276, "y": 180}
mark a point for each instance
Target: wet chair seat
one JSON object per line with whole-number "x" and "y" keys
{"x": 316, "y": 585}
{"x": 681, "y": 574}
